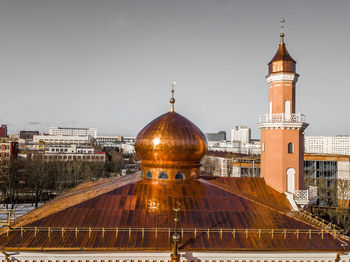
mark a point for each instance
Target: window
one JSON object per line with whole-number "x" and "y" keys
{"x": 163, "y": 175}
{"x": 179, "y": 175}
{"x": 287, "y": 108}
{"x": 290, "y": 148}
{"x": 263, "y": 147}
{"x": 149, "y": 174}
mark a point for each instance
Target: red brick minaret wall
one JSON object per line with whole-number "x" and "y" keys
{"x": 282, "y": 130}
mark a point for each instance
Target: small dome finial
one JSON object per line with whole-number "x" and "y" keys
{"x": 172, "y": 99}
{"x": 282, "y": 30}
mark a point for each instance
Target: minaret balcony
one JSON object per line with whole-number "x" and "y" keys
{"x": 278, "y": 118}
{"x": 282, "y": 120}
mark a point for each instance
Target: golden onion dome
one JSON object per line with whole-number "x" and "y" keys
{"x": 170, "y": 147}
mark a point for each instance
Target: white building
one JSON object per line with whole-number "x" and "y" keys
{"x": 327, "y": 145}
{"x": 129, "y": 139}
{"x": 108, "y": 139}
{"x": 241, "y": 133}
{"x": 71, "y": 131}
{"x": 70, "y": 149}
{"x": 56, "y": 139}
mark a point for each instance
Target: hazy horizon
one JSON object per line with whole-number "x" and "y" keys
{"x": 109, "y": 64}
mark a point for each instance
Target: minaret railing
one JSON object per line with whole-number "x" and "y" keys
{"x": 282, "y": 118}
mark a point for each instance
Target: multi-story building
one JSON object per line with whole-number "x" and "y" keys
{"x": 60, "y": 139}
{"x": 108, "y": 139}
{"x": 67, "y": 153}
{"x": 129, "y": 139}
{"x": 72, "y": 131}
{"x": 241, "y": 133}
{"x": 70, "y": 149}
{"x": 8, "y": 152}
{"x": 229, "y": 164}
{"x": 27, "y": 135}
{"x": 339, "y": 145}
{"x": 3, "y": 131}
{"x": 219, "y": 136}
{"x": 331, "y": 174}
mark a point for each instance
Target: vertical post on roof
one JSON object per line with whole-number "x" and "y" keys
{"x": 129, "y": 232}
{"x": 175, "y": 256}
{"x": 156, "y": 233}
{"x": 234, "y": 233}
{"x": 143, "y": 232}
{"x": 49, "y": 232}
{"x": 221, "y": 233}
{"x": 272, "y": 233}
{"x": 208, "y": 236}
{"x": 285, "y": 233}
{"x": 90, "y": 232}
{"x": 62, "y": 231}
{"x": 116, "y": 233}
{"x": 309, "y": 233}
{"x": 246, "y": 233}
{"x": 297, "y": 233}
{"x": 35, "y": 231}
{"x": 322, "y": 233}
{"x": 195, "y": 233}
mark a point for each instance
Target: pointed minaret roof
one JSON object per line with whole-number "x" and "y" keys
{"x": 282, "y": 53}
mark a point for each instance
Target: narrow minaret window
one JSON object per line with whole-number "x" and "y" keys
{"x": 290, "y": 148}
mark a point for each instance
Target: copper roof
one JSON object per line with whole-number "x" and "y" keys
{"x": 130, "y": 213}
{"x": 282, "y": 54}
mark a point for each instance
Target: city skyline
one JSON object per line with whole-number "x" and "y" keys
{"x": 110, "y": 64}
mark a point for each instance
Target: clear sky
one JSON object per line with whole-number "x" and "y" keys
{"x": 109, "y": 64}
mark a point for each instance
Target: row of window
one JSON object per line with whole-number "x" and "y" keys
{"x": 163, "y": 175}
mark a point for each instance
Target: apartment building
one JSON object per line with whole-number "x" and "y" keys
{"x": 62, "y": 139}
{"x": 108, "y": 139}
{"x": 72, "y": 131}
{"x": 8, "y": 152}
{"x": 220, "y": 163}
{"x": 339, "y": 145}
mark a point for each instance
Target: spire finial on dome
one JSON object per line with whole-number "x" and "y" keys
{"x": 282, "y": 30}
{"x": 175, "y": 256}
{"x": 172, "y": 99}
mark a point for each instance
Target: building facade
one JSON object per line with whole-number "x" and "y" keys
{"x": 72, "y": 131}
{"x": 28, "y": 135}
{"x": 8, "y": 152}
{"x": 219, "y": 136}
{"x": 338, "y": 145}
{"x": 108, "y": 139}
{"x": 63, "y": 139}
{"x": 227, "y": 164}
{"x": 3, "y": 131}
{"x": 241, "y": 133}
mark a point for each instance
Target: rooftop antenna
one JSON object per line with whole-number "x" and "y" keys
{"x": 172, "y": 99}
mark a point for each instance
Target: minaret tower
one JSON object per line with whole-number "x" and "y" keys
{"x": 282, "y": 130}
